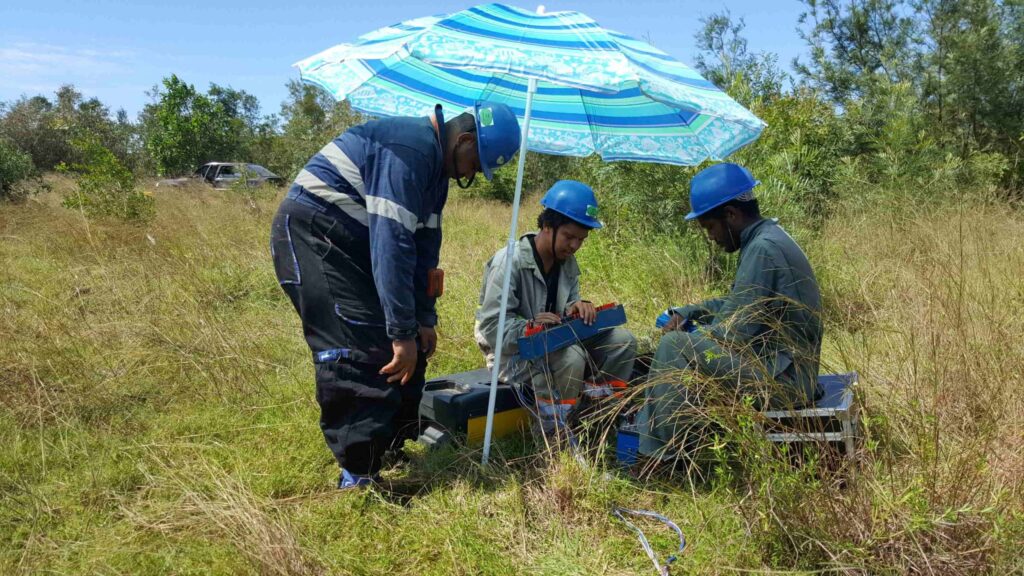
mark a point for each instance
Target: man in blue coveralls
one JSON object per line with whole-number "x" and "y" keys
{"x": 356, "y": 245}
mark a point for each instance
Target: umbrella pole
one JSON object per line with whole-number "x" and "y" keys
{"x": 509, "y": 251}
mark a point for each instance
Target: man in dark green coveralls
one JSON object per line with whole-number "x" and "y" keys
{"x": 763, "y": 339}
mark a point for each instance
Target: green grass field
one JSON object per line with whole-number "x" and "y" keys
{"x": 157, "y": 412}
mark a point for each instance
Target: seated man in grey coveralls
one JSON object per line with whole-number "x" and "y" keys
{"x": 761, "y": 340}
{"x": 544, "y": 288}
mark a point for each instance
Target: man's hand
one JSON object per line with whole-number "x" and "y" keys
{"x": 695, "y": 313}
{"x": 428, "y": 340}
{"x": 678, "y": 321}
{"x": 675, "y": 321}
{"x": 584, "y": 310}
{"x": 547, "y": 318}
{"x": 403, "y": 363}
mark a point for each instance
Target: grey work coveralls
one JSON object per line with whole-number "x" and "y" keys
{"x": 763, "y": 338}
{"x": 561, "y": 374}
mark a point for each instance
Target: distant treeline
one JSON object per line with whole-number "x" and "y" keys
{"x": 915, "y": 99}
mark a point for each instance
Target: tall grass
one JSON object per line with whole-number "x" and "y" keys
{"x": 157, "y": 412}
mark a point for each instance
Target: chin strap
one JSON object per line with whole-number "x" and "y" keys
{"x": 554, "y": 242}
{"x": 458, "y": 180}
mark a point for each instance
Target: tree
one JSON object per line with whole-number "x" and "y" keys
{"x": 15, "y": 166}
{"x": 45, "y": 129}
{"x": 105, "y": 187}
{"x": 246, "y": 126}
{"x": 724, "y": 60}
{"x": 30, "y": 125}
{"x": 311, "y": 118}
{"x": 975, "y": 70}
{"x": 959, "y": 62}
{"x": 184, "y": 128}
{"x": 856, "y": 43}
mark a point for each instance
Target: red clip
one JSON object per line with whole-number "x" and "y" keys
{"x": 604, "y": 307}
{"x": 532, "y": 328}
{"x": 435, "y": 282}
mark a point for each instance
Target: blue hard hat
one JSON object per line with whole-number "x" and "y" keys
{"x": 497, "y": 135}
{"x": 716, "y": 185}
{"x": 573, "y": 199}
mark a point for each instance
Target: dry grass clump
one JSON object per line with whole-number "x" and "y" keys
{"x": 939, "y": 347}
{"x": 207, "y": 501}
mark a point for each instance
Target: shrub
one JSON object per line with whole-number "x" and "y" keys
{"x": 105, "y": 187}
{"x": 795, "y": 158}
{"x": 15, "y": 166}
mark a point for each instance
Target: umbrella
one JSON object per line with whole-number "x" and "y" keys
{"x": 578, "y": 88}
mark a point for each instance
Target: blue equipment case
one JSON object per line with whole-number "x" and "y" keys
{"x": 563, "y": 335}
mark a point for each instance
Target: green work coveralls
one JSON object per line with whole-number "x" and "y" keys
{"x": 762, "y": 339}
{"x": 561, "y": 374}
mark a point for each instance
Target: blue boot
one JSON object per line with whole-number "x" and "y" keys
{"x": 348, "y": 480}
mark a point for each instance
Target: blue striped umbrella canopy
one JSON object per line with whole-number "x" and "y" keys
{"x": 598, "y": 91}
{"x": 579, "y": 89}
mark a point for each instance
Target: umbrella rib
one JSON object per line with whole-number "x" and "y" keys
{"x": 590, "y": 123}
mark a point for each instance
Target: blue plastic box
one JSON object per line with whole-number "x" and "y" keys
{"x": 627, "y": 444}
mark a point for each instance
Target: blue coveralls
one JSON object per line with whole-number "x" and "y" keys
{"x": 352, "y": 243}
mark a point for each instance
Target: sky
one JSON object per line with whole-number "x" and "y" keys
{"x": 118, "y": 50}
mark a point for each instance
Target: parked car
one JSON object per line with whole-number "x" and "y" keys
{"x": 227, "y": 174}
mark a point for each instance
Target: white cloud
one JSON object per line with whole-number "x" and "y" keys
{"x": 26, "y": 65}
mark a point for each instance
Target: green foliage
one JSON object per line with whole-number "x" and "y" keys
{"x": 911, "y": 95}
{"x": 974, "y": 73}
{"x": 645, "y": 198}
{"x": 795, "y": 159}
{"x": 948, "y": 70}
{"x": 185, "y": 128}
{"x": 856, "y": 44}
{"x": 105, "y": 187}
{"x": 724, "y": 59}
{"x": 30, "y": 123}
{"x": 15, "y": 166}
{"x": 896, "y": 150}
{"x": 311, "y": 118}
{"x": 44, "y": 129}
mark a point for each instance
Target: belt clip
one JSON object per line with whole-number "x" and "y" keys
{"x": 332, "y": 355}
